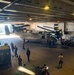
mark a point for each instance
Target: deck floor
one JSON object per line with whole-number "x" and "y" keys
{"x": 40, "y": 54}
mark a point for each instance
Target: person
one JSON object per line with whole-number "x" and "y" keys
{"x": 12, "y": 46}
{"x": 24, "y": 40}
{"x": 0, "y": 43}
{"x": 16, "y": 51}
{"x": 28, "y": 54}
{"x": 23, "y": 45}
{"x": 44, "y": 66}
{"x": 44, "y": 70}
{"x": 19, "y": 61}
{"x": 60, "y": 60}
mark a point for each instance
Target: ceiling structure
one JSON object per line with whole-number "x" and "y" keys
{"x": 33, "y": 10}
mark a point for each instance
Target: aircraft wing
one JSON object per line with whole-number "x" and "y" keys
{"x": 46, "y": 29}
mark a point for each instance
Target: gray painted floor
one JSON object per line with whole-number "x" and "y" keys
{"x": 40, "y": 54}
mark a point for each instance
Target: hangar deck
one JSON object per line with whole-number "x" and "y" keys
{"x": 40, "y": 54}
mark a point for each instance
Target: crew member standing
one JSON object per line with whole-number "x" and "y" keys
{"x": 12, "y": 46}
{"x": 19, "y": 61}
{"x": 44, "y": 70}
{"x": 16, "y": 51}
{"x": 60, "y": 60}
{"x": 28, "y": 54}
{"x": 23, "y": 43}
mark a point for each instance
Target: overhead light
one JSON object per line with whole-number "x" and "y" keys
{"x": 46, "y": 7}
{"x": 30, "y": 19}
{"x": 5, "y": 1}
{"x": 58, "y": 21}
{"x": 73, "y": 14}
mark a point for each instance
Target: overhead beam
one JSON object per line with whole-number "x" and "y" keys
{"x": 68, "y": 2}
{"x": 24, "y": 5}
{"x": 30, "y": 6}
{"x": 7, "y": 2}
{"x": 3, "y": 14}
{"x": 28, "y": 12}
{"x": 34, "y": 13}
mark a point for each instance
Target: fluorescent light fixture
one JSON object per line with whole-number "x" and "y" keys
{"x": 5, "y": 1}
{"x": 22, "y": 69}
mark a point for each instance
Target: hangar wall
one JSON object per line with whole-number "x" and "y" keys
{"x": 69, "y": 27}
{"x": 34, "y": 27}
